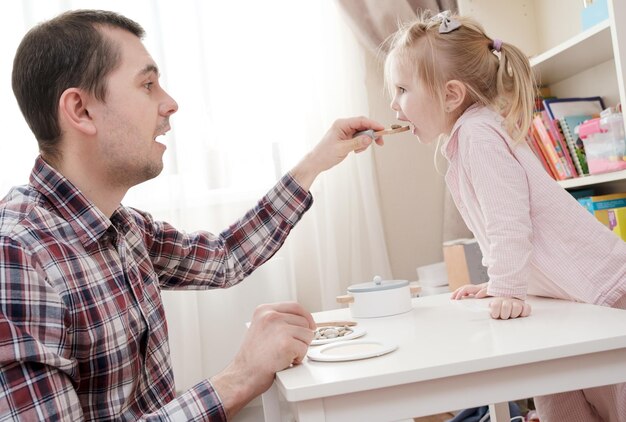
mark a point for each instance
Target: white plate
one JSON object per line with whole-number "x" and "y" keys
{"x": 351, "y": 350}
{"x": 356, "y": 332}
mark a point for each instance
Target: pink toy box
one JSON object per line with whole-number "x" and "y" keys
{"x": 603, "y": 138}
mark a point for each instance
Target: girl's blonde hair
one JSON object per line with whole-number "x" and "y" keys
{"x": 502, "y": 80}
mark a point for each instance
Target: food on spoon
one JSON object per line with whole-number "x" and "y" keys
{"x": 392, "y": 130}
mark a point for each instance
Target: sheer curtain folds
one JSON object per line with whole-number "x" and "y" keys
{"x": 258, "y": 84}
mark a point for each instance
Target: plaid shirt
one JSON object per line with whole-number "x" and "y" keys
{"x": 83, "y": 334}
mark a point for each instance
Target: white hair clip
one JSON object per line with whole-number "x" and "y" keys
{"x": 447, "y": 24}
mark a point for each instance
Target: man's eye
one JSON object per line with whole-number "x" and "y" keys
{"x": 148, "y": 85}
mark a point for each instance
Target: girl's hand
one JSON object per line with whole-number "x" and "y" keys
{"x": 508, "y": 307}
{"x": 477, "y": 291}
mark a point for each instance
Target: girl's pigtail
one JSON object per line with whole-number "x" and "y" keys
{"x": 516, "y": 85}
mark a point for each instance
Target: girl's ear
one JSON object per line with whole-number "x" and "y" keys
{"x": 455, "y": 95}
{"x": 73, "y": 113}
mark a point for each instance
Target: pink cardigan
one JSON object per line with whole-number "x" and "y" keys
{"x": 534, "y": 236}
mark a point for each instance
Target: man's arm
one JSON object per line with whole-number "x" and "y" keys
{"x": 278, "y": 336}
{"x": 203, "y": 260}
{"x": 35, "y": 381}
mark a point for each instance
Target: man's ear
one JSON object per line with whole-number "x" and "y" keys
{"x": 455, "y": 95}
{"x": 73, "y": 111}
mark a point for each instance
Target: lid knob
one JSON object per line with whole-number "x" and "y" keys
{"x": 378, "y": 280}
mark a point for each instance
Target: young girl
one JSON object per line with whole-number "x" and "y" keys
{"x": 449, "y": 78}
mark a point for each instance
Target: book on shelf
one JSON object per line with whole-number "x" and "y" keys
{"x": 603, "y": 202}
{"x": 577, "y": 157}
{"x": 609, "y": 209}
{"x": 558, "y": 108}
{"x": 559, "y": 143}
{"x": 547, "y": 163}
{"x": 575, "y": 144}
{"x": 615, "y": 220}
{"x": 532, "y": 142}
{"x": 549, "y": 149}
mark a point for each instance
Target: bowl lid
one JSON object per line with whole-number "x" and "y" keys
{"x": 377, "y": 284}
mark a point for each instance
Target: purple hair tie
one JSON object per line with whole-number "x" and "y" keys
{"x": 496, "y": 44}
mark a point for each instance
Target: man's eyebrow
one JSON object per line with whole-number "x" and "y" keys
{"x": 149, "y": 68}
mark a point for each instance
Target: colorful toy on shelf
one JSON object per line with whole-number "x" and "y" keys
{"x": 603, "y": 138}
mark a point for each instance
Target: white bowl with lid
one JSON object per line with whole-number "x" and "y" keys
{"x": 379, "y": 298}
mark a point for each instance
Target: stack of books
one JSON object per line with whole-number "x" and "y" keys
{"x": 609, "y": 209}
{"x": 553, "y": 137}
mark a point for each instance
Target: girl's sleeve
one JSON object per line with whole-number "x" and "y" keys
{"x": 501, "y": 189}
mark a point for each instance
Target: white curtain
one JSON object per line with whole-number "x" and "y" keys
{"x": 258, "y": 84}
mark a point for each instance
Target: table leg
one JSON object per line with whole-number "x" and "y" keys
{"x": 271, "y": 404}
{"x": 499, "y": 412}
{"x": 310, "y": 411}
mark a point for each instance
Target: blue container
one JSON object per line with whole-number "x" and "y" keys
{"x": 593, "y": 14}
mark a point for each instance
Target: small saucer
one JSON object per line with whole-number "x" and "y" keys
{"x": 351, "y": 350}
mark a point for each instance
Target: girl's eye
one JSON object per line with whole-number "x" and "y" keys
{"x": 148, "y": 85}
{"x": 401, "y": 90}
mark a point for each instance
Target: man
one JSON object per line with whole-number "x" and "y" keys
{"x": 82, "y": 326}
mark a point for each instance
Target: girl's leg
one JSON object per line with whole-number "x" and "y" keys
{"x": 610, "y": 400}
{"x": 607, "y": 403}
{"x": 571, "y": 407}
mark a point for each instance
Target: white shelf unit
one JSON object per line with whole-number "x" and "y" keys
{"x": 583, "y": 51}
{"x": 570, "y": 61}
{"x": 594, "y": 179}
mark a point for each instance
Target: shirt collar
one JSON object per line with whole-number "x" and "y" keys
{"x": 448, "y": 149}
{"x": 88, "y": 222}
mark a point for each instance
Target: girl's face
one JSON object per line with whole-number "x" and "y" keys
{"x": 413, "y": 103}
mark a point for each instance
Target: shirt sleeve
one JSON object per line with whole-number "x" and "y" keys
{"x": 501, "y": 189}
{"x": 200, "y": 403}
{"x": 36, "y": 370}
{"x": 204, "y": 260}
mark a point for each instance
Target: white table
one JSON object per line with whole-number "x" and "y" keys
{"x": 452, "y": 356}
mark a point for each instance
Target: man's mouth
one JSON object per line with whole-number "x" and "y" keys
{"x": 162, "y": 130}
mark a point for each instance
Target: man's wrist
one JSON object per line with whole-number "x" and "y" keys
{"x": 234, "y": 388}
{"x": 305, "y": 172}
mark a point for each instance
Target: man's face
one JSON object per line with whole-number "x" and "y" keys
{"x": 135, "y": 112}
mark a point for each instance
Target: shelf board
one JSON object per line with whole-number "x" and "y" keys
{"x": 593, "y": 179}
{"x": 585, "y": 50}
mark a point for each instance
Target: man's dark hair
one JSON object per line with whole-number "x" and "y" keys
{"x": 64, "y": 52}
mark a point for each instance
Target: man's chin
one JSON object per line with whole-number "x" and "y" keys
{"x": 154, "y": 170}
{"x": 149, "y": 172}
